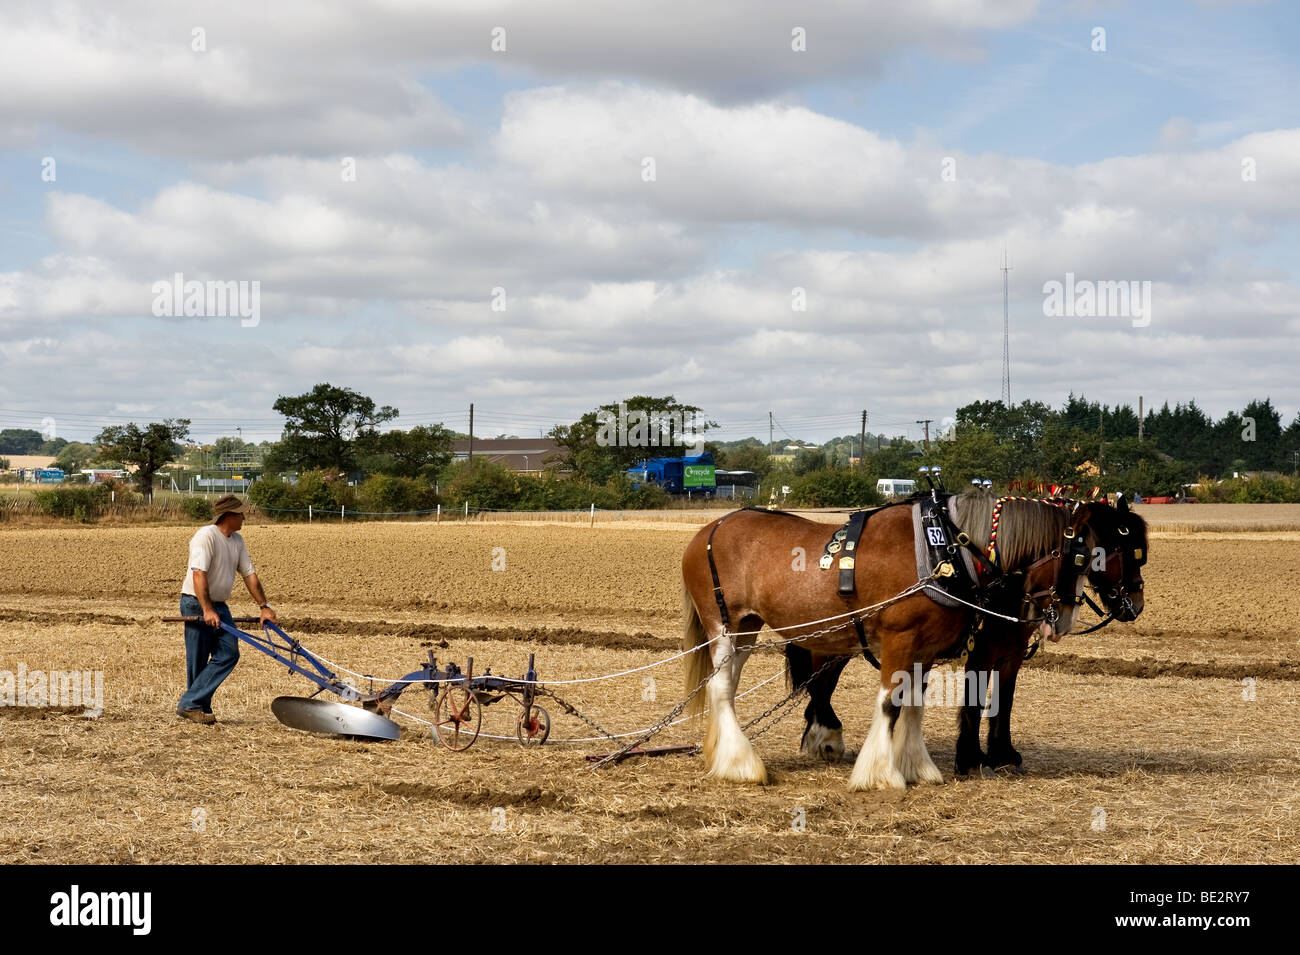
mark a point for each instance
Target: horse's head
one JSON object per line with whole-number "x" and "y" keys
{"x": 1052, "y": 591}
{"x": 1037, "y": 547}
{"x": 1116, "y": 538}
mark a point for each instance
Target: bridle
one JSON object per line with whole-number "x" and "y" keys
{"x": 1070, "y": 558}
{"x": 1072, "y": 561}
{"x": 1119, "y": 590}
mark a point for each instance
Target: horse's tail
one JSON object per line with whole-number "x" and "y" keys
{"x": 699, "y": 663}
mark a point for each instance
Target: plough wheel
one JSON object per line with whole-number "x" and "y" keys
{"x": 456, "y": 718}
{"x": 534, "y": 727}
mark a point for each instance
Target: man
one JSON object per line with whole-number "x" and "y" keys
{"x": 217, "y": 551}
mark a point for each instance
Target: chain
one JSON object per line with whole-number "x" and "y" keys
{"x": 791, "y": 698}
{"x": 573, "y": 711}
{"x": 660, "y": 726}
{"x": 790, "y": 703}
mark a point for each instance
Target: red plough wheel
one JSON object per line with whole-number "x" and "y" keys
{"x": 456, "y": 718}
{"x": 534, "y": 727}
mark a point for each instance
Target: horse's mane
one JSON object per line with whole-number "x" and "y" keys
{"x": 1027, "y": 528}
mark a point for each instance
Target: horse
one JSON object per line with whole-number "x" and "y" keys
{"x": 1115, "y": 542}
{"x": 749, "y": 567}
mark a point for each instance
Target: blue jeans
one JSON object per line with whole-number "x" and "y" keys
{"x": 210, "y": 655}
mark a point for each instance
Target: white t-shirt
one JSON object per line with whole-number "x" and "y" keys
{"x": 219, "y": 556}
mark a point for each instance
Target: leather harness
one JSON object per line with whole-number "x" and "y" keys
{"x": 942, "y": 535}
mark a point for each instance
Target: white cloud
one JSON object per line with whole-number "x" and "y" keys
{"x": 615, "y": 285}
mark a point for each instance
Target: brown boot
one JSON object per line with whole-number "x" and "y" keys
{"x": 197, "y": 716}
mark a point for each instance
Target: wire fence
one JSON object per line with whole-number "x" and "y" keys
{"x": 188, "y": 508}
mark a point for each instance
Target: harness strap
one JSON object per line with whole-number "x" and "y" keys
{"x": 1106, "y": 616}
{"x": 862, "y": 640}
{"x": 853, "y": 530}
{"x": 713, "y": 570}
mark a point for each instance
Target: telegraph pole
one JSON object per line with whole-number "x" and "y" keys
{"x": 770, "y": 439}
{"x": 862, "y": 442}
{"x": 1140, "y": 422}
{"x": 926, "y": 422}
{"x": 471, "y": 432}
{"x": 1101, "y": 441}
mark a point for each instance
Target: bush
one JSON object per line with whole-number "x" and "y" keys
{"x": 83, "y": 504}
{"x": 835, "y": 488}
{"x": 386, "y": 494}
{"x": 1256, "y": 490}
{"x": 646, "y": 497}
{"x": 270, "y": 495}
{"x": 196, "y": 507}
{"x": 283, "y": 501}
{"x": 483, "y": 485}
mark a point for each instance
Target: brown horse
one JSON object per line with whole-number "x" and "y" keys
{"x": 759, "y": 559}
{"x": 1116, "y": 546}
{"x": 1114, "y": 543}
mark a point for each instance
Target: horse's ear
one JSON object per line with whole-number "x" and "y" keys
{"x": 1122, "y": 504}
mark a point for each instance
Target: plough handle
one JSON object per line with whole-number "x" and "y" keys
{"x": 200, "y": 619}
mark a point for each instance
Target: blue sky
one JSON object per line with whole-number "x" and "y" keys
{"x": 818, "y": 170}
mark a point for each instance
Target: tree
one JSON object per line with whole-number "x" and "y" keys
{"x": 20, "y": 441}
{"x": 749, "y": 457}
{"x": 148, "y": 448}
{"x": 423, "y": 451}
{"x": 615, "y": 437}
{"x": 807, "y": 461}
{"x": 324, "y": 427}
{"x": 898, "y": 459}
{"x": 1262, "y": 440}
{"x": 229, "y": 445}
{"x": 74, "y": 456}
{"x": 1289, "y": 448}
{"x": 971, "y": 453}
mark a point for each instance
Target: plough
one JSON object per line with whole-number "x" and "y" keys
{"x": 457, "y": 696}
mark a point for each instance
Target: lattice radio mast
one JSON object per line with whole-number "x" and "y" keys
{"x": 1006, "y": 333}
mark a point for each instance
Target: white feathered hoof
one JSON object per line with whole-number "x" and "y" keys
{"x": 875, "y": 775}
{"x": 875, "y": 767}
{"x": 910, "y": 752}
{"x": 732, "y": 757}
{"x": 877, "y": 763}
{"x": 928, "y": 772}
{"x": 823, "y": 742}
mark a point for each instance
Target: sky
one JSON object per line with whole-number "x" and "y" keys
{"x": 543, "y": 207}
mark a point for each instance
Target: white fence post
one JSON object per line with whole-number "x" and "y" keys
{"x": 308, "y": 513}
{"x": 593, "y": 514}
{"x": 343, "y": 512}
{"x": 439, "y": 518}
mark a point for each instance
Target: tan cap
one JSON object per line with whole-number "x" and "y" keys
{"x": 227, "y": 504}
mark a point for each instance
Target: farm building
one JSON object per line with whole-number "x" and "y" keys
{"x": 527, "y": 455}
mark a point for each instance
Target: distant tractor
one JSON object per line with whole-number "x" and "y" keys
{"x": 695, "y": 472}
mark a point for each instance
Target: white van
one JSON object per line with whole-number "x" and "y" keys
{"x": 896, "y": 487}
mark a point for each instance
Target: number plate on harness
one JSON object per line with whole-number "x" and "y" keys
{"x": 936, "y": 536}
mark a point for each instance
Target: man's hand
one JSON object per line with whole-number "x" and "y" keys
{"x": 201, "y": 594}
{"x": 255, "y": 588}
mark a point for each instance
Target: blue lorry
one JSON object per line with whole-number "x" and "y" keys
{"x": 695, "y": 472}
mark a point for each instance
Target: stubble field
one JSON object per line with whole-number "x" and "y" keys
{"x": 1140, "y": 742}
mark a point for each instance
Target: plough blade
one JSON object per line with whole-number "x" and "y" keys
{"x": 339, "y": 719}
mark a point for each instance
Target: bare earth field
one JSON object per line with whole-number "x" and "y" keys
{"x": 1144, "y": 722}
